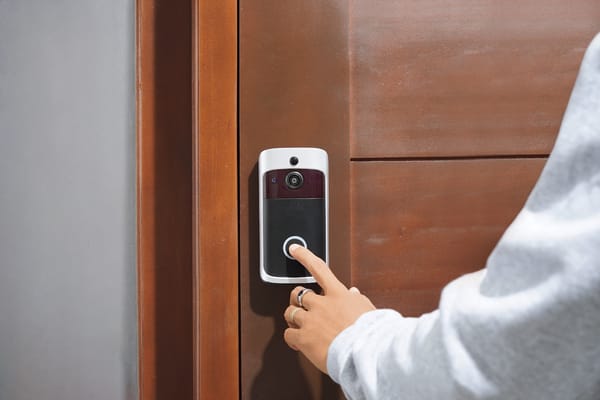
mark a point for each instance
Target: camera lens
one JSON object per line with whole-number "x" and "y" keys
{"x": 294, "y": 180}
{"x": 294, "y": 160}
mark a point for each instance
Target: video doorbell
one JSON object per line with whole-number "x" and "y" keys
{"x": 293, "y": 208}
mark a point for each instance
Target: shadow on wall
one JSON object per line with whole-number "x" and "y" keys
{"x": 285, "y": 374}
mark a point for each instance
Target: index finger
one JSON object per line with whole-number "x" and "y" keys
{"x": 318, "y": 269}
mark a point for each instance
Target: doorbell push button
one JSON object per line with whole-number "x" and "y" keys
{"x": 290, "y": 241}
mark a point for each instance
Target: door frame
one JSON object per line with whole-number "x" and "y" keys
{"x": 215, "y": 192}
{"x": 187, "y": 199}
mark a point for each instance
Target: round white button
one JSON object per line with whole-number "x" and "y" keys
{"x": 292, "y": 240}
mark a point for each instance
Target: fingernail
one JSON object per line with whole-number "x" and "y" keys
{"x": 293, "y": 247}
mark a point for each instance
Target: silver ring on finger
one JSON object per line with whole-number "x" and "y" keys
{"x": 301, "y": 294}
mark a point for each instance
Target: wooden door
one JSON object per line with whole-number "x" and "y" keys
{"x": 438, "y": 118}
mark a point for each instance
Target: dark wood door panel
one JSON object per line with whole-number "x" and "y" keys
{"x": 416, "y": 225}
{"x": 456, "y": 83}
{"x": 293, "y": 91}
{"x": 465, "y": 77}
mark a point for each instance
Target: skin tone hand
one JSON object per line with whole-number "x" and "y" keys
{"x": 313, "y": 328}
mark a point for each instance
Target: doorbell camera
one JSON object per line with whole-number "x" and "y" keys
{"x": 293, "y": 209}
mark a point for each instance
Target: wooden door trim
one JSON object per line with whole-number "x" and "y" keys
{"x": 215, "y": 200}
{"x": 187, "y": 229}
{"x": 164, "y": 198}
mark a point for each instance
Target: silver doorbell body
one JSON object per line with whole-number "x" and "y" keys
{"x": 293, "y": 208}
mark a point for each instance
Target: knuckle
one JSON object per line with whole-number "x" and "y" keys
{"x": 294, "y": 293}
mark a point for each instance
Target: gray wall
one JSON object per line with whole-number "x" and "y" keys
{"x": 67, "y": 200}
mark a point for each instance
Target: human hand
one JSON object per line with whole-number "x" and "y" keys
{"x": 321, "y": 318}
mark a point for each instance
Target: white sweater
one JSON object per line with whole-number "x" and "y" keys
{"x": 527, "y": 326}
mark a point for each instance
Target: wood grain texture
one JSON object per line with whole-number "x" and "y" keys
{"x": 293, "y": 92}
{"x": 164, "y": 193}
{"x": 462, "y": 78}
{"x": 416, "y": 225}
{"x": 216, "y": 333}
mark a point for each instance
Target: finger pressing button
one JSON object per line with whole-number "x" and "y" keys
{"x": 292, "y": 240}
